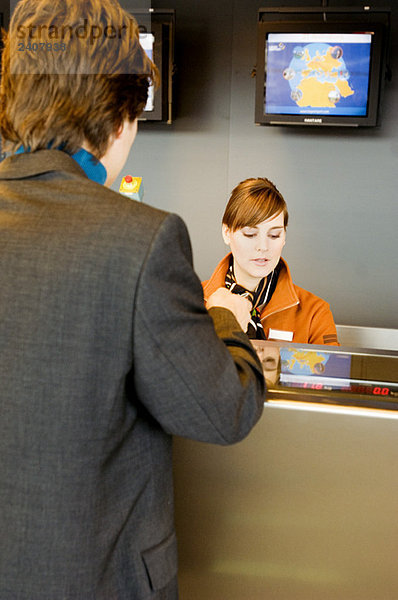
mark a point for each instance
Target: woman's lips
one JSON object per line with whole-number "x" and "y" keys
{"x": 260, "y": 261}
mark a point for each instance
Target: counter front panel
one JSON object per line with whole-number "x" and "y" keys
{"x": 306, "y": 506}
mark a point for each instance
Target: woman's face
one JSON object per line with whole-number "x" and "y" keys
{"x": 256, "y": 250}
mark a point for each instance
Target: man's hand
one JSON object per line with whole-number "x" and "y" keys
{"x": 238, "y": 305}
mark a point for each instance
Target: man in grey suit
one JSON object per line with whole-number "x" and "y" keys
{"x": 106, "y": 349}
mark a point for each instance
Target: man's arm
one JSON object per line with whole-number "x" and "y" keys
{"x": 196, "y": 373}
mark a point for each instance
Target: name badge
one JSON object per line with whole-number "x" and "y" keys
{"x": 279, "y": 334}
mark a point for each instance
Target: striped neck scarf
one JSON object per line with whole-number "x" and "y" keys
{"x": 259, "y": 298}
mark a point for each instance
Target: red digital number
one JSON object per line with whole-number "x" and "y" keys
{"x": 378, "y": 391}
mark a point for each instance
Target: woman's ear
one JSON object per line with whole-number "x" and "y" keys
{"x": 225, "y": 234}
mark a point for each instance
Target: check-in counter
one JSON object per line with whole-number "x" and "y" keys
{"x": 306, "y": 508}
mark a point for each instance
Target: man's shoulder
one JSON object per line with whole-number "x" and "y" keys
{"x": 63, "y": 181}
{"x": 123, "y": 207}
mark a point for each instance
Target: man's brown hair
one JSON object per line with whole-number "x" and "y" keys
{"x": 253, "y": 201}
{"x": 71, "y": 72}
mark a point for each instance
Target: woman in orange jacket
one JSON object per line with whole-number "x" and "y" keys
{"x": 254, "y": 226}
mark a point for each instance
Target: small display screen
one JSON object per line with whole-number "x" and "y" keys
{"x": 301, "y": 366}
{"x": 147, "y": 40}
{"x": 320, "y": 369}
{"x": 322, "y": 74}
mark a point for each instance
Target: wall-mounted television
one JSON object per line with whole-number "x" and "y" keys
{"x": 157, "y": 38}
{"x": 314, "y": 70}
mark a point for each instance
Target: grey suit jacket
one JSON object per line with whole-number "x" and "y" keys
{"x": 106, "y": 351}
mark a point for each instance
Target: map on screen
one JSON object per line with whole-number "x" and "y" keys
{"x": 314, "y": 366}
{"x": 320, "y": 74}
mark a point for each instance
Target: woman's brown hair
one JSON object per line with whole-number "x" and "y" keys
{"x": 71, "y": 72}
{"x": 253, "y": 201}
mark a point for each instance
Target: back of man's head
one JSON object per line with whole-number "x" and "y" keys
{"x": 72, "y": 72}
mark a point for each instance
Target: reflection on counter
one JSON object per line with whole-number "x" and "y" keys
{"x": 329, "y": 375}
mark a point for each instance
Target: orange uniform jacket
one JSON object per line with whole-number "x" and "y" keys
{"x": 291, "y": 309}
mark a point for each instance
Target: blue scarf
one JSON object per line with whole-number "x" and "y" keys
{"x": 92, "y": 167}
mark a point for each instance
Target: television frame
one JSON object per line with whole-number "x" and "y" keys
{"x": 323, "y": 20}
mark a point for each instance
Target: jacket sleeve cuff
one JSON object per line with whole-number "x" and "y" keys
{"x": 224, "y": 321}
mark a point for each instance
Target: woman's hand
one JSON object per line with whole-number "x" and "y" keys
{"x": 238, "y": 305}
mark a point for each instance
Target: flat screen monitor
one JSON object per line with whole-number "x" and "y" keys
{"x": 311, "y": 73}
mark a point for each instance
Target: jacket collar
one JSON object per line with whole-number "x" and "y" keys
{"x": 29, "y": 164}
{"x": 284, "y": 296}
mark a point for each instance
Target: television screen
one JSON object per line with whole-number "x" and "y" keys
{"x": 157, "y": 28}
{"x": 315, "y": 73}
{"x": 147, "y": 41}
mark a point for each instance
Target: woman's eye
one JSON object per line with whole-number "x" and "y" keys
{"x": 249, "y": 235}
{"x": 275, "y": 237}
